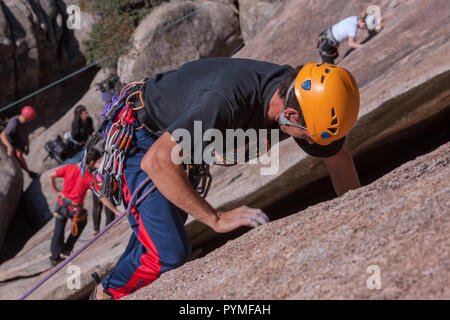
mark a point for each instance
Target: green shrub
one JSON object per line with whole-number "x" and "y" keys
{"x": 118, "y": 20}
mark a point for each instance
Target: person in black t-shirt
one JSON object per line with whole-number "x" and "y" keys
{"x": 226, "y": 93}
{"x": 81, "y": 129}
{"x": 317, "y": 104}
{"x": 82, "y": 125}
{"x": 15, "y": 137}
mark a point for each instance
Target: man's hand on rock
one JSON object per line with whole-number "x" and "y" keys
{"x": 242, "y": 216}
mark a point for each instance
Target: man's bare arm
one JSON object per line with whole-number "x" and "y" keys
{"x": 110, "y": 206}
{"x": 342, "y": 172}
{"x": 52, "y": 179}
{"x": 352, "y": 43}
{"x": 171, "y": 180}
{"x": 7, "y": 143}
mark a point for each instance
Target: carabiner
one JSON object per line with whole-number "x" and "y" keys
{"x": 118, "y": 201}
{"x": 98, "y": 195}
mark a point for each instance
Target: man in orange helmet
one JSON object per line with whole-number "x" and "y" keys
{"x": 15, "y": 137}
{"x": 317, "y": 104}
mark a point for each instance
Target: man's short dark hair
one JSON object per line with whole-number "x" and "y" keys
{"x": 93, "y": 155}
{"x": 284, "y": 87}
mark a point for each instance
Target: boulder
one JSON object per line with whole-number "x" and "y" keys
{"x": 396, "y": 228}
{"x": 10, "y": 190}
{"x": 159, "y": 45}
{"x": 37, "y": 47}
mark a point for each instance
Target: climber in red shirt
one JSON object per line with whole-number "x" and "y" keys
{"x": 70, "y": 204}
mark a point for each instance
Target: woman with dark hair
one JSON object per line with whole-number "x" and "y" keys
{"x": 82, "y": 125}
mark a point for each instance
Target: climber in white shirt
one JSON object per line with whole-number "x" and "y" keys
{"x": 346, "y": 29}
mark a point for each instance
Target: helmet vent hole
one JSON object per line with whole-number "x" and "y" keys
{"x": 334, "y": 122}
{"x": 333, "y": 130}
{"x": 319, "y": 64}
{"x": 333, "y": 113}
{"x": 323, "y": 78}
{"x": 327, "y": 70}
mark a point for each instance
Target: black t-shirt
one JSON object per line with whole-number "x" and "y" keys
{"x": 17, "y": 133}
{"x": 82, "y": 130}
{"x": 222, "y": 93}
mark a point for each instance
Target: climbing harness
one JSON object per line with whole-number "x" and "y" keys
{"x": 73, "y": 211}
{"x": 122, "y": 118}
{"x": 327, "y": 44}
{"x": 328, "y": 36}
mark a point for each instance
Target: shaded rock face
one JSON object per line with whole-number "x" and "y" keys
{"x": 31, "y": 262}
{"x": 35, "y": 46}
{"x": 398, "y": 226}
{"x": 10, "y": 190}
{"x": 93, "y": 103}
{"x": 212, "y": 31}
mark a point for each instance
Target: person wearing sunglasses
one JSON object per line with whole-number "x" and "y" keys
{"x": 319, "y": 108}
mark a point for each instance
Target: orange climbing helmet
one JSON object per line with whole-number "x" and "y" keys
{"x": 329, "y": 99}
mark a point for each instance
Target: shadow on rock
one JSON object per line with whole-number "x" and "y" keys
{"x": 33, "y": 213}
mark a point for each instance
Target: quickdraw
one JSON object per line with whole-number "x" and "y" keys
{"x": 118, "y": 142}
{"x": 118, "y": 130}
{"x": 117, "y": 146}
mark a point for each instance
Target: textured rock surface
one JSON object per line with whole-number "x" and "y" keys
{"x": 253, "y": 14}
{"x": 400, "y": 223}
{"x": 10, "y": 190}
{"x": 391, "y": 99}
{"x": 212, "y": 31}
{"x": 402, "y": 80}
{"x": 36, "y": 47}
